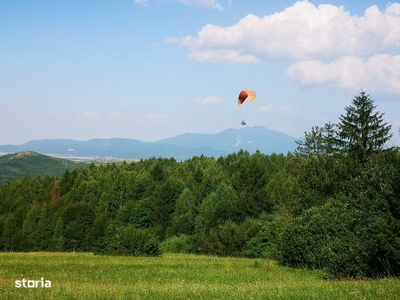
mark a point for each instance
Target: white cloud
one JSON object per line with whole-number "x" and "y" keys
{"x": 141, "y": 2}
{"x": 285, "y": 111}
{"x": 118, "y": 116}
{"x": 141, "y": 118}
{"x": 265, "y": 109}
{"x": 202, "y": 4}
{"x": 212, "y": 4}
{"x": 154, "y": 117}
{"x": 211, "y": 100}
{"x": 89, "y": 115}
{"x": 229, "y": 56}
{"x": 300, "y": 32}
{"x": 378, "y": 73}
{"x": 326, "y": 43}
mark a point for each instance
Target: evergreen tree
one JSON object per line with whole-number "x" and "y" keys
{"x": 320, "y": 140}
{"x": 362, "y": 130}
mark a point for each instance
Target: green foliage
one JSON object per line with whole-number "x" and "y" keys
{"x": 320, "y": 140}
{"x": 249, "y": 178}
{"x": 219, "y": 207}
{"x": 265, "y": 243}
{"x": 346, "y": 241}
{"x": 324, "y": 237}
{"x": 234, "y": 238}
{"x": 131, "y": 241}
{"x": 37, "y": 228}
{"x": 183, "y": 218}
{"x": 319, "y": 178}
{"x": 13, "y": 166}
{"x": 362, "y": 131}
{"x": 75, "y": 221}
{"x": 179, "y": 244}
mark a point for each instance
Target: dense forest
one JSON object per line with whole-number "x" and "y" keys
{"x": 18, "y": 165}
{"x": 334, "y": 204}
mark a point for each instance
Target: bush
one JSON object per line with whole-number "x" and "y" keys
{"x": 179, "y": 244}
{"x": 343, "y": 240}
{"x": 130, "y": 241}
{"x": 234, "y": 238}
{"x": 265, "y": 243}
{"x": 229, "y": 238}
{"x": 323, "y": 238}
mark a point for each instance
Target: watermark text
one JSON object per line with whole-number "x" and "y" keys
{"x": 31, "y": 284}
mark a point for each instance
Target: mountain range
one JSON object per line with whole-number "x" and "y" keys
{"x": 180, "y": 147}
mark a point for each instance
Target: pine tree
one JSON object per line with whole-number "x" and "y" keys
{"x": 362, "y": 131}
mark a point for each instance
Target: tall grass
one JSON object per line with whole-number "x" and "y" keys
{"x": 175, "y": 276}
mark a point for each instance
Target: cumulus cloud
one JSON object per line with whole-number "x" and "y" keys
{"x": 211, "y": 100}
{"x": 379, "y": 72}
{"x": 302, "y": 31}
{"x": 325, "y": 43}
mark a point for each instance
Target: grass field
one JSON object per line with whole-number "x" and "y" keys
{"x": 175, "y": 276}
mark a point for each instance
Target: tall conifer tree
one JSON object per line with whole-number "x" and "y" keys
{"x": 362, "y": 130}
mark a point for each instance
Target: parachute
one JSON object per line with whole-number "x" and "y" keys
{"x": 251, "y": 95}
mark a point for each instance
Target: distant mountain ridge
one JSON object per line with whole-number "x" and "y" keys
{"x": 180, "y": 147}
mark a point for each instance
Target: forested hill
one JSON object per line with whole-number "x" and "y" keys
{"x": 180, "y": 147}
{"x": 13, "y": 166}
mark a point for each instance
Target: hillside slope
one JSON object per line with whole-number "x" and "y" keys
{"x": 30, "y": 163}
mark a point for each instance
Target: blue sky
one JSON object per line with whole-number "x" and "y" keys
{"x": 154, "y": 69}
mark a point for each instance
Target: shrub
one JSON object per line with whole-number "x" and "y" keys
{"x": 265, "y": 243}
{"x": 179, "y": 244}
{"x": 130, "y": 241}
{"x": 343, "y": 240}
{"x": 322, "y": 238}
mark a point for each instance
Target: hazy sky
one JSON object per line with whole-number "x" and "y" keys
{"x": 151, "y": 69}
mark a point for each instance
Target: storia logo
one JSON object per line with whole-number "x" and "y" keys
{"x": 26, "y": 283}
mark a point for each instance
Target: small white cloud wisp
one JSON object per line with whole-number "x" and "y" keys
{"x": 210, "y": 100}
{"x": 89, "y": 115}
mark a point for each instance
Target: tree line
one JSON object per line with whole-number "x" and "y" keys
{"x": 334, "y": 204}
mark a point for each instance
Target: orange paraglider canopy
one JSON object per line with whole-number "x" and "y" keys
{"x": 246, "y": 94}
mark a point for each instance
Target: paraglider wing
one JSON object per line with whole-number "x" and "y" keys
{"x": 251, "y": 95}
{"x": 242, "y": 96}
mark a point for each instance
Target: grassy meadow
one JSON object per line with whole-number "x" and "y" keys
{"x": 175, "y": 276}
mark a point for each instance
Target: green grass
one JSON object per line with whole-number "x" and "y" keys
{"x": 175, "y": 276}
